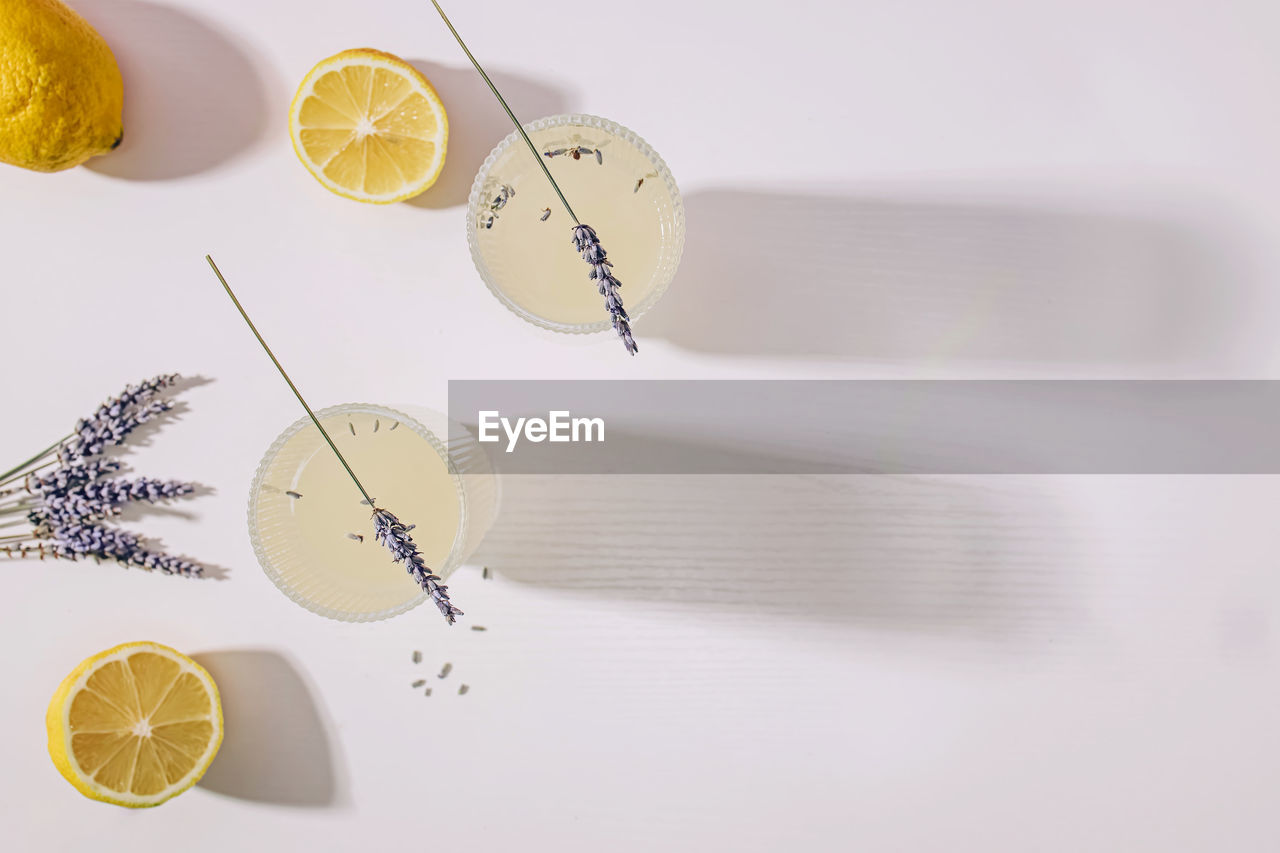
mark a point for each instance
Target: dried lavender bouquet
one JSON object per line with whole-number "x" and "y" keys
{"x": 63, "y": 494}
{"x": 584, "y": 237}
{"x": 388, "y": 529}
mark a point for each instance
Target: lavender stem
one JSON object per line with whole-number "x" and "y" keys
{"x": 510, "y": 114}
{"x": 324, "y": 432}
{"x": 8, "y": 476}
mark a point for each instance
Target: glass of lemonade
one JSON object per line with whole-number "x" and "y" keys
{"x": 519, "y": 232}
{"x": 313, "y": 535}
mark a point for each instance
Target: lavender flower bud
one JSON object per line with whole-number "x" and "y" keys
{"x": 624, "y": 331}
{"x": 81, "y": 539}
{"x": 583, "y": 235}
{"x": 112, "y": 422}
{"x": 71, "y": 508}
{"x": 97, "y": 500}
{"x": 78, "y": 540}
{"x": 71, "y": 476}
{"x": 587, "y": 243}
{"x": 142, "y": 489}
{"x": 389, "y": 531}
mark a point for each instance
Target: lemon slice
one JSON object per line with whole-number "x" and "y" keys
{"x": 369, "y": 126}
{"x": 135, "y": 725}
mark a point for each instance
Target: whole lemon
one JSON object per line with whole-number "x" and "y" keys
{"x": 60, "y": 89}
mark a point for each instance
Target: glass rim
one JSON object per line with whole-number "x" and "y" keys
{"x": 259, "y": 547}
{"x": 665, "y": 272}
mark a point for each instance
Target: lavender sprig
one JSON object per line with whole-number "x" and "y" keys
{"x": 392, "y": 533}
{"x": 66, "y": 505}
{"x": 71, "y": 476}
{"x": 146, "y": 489}
{"x": 109, "y": 425}
{"x": 78, "y": 539}
{"x": 113, "y": 421}
{"x": 583, "y": 235}
{"x": 588, "y": 245}
{"x": 95, "y": 501}
{"x": 388, "y": 529}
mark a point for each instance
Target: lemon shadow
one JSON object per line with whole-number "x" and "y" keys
{"x": 277, "y": 747}
{"x": 477, "y": 122}
{"x": 193, "y": 99}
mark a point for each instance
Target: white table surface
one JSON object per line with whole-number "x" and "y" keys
{"x": 1065, "y": 188}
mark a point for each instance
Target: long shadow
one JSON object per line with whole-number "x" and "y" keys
{"x": 144, "y": 435}
{"x": 276, "y": 747}
{"x": 809, "y": 275}
{"x": 137, "y": 510}
{"x": 957, "y": 557}
{"x": 193, "y": 98}
{"x": 477, "y": 123}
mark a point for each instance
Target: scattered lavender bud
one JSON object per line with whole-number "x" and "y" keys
{"x": 505, "y": 194}
{"x": 445, "y": 670}
{"x": 479, "y": 628}
{"x": 294, "y": 495}
{"x": 417, "y": 657}
{"x": 418, "y": 683}
{"x": 463, "y": 688}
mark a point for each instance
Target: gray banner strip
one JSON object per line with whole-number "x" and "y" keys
{"x": 890, "y": 427}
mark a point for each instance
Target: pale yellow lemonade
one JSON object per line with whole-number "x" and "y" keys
{"x": 318, "y": 535}
{"x": 523, "y": 233}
